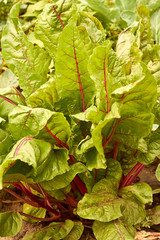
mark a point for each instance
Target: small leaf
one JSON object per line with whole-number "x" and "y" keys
{"x": 116, "y": 230}
{"x": 76, "y": 232}
{"x": 142, "y": 191}
{"x": 158, "y": 172}
{"x": 55, "y": 230}
{"x": 10, "y": 223}
{"x": 154, "y": 215}
{"x": 33, "y": 211}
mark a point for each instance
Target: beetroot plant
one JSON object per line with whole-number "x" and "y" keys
{"x": 82, "y": 123}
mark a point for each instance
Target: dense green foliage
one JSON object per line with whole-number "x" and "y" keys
{"x": 80, "y": 118}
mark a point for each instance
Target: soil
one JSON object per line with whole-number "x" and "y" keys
{"x": 147, "y": 175}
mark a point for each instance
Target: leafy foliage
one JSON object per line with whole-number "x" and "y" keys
{"x": 79, "y": 116}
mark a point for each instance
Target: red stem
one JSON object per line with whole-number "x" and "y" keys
{"x": 19, "y": 94}
{"x": 57, "y": 139}
{"x": 131, "y": 175}
{"x": 116, "y": 151}
{"x": 8, "y": 100}
{"x": 72, "y": 200}
{"x": 135, "y": 175}
{"x": 58, "y": 16}
{"x": 41, "y": 219}
{"x": 81, "y": 186}
{"x": 111, "y": 135}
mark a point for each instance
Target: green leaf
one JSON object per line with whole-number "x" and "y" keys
{"x": 144, "y": 34}
{"x": 133, "y": 211}
{"x": 153, "y": 150}
{"x": 105, "y": 70}
{"x": 154, "y": 215}
{"x": 27, "y": 61}
{"x": 25, "y": 157}
{"x": 102, "y": 203}
{"x": 9, "y": 99}
{"x": 114, "y": 170}
{"x": 158, "y": 172}
{"x": 76, "y": 232}
{"x": 57, "y": 130}
{"x": 51, "y": 23}
{"x": 116, "y": 230}
{"x": 55, "y": 230}
{"x": 95, "y": 160}
{"x": 33, "y": 211}
{"x": 6, "y": 142}
{"x": 11, "y": 223}
{"x": 156, "y": 26}
{"x": 103, "y": 12}
{"x": 64, "y": 179}
{"x": 142, "y": 191}
{"x": 71, "y": 71}
{"x": 25, "y": 121}
{"x": 45, "y": 96}
{"x": 8, "y": 78}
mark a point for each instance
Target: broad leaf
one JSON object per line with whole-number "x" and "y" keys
{"x": 25, "y": 121}
{"x": 55, "y": 230}
{"x": 102, "y": 203}
{"x": 116, "y": 230}
{"x": 24, "y": 158}
{"x": 71, "y": 71}
{"x": 76, "y": 232}
{"x": 10, "y": 223}
{"x": 9, "y": 99}
{"x": 154, "y": 215}
{"x": 30, "y": 63}
{"x": 45, "y": 96}
{"x": 6, "y": 142}
{"x": 64, "y": 179}
{"x": 8, "y": 78}
{"x": 156, "y": 26}
{"x": 141, "y": 191}
{"x": 51, "y": 22}
{"x": 33, "y": 211}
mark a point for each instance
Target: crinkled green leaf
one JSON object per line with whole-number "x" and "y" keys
{"x": 56, "y": 164}
{"x": 33, "y": 211}
{"x": 158, "y": 172}
{"x": 11, "y": 223}
{"x": 45, "y": 96}
{"x": 133, "y": 211}
{"x": 64, "y": 179}
{"x": 8, "y": 78}
{"x": 153, "y": 150}
{"x": 142, "y": 191}
{"x": 6, "y": 142}
{"x": 25, "y": 121}
{"x": 9, "y": 99}
{"x": 51, "y": 23}
{"x": 106, "y": 126}
{"x": 55, "y": 230}
{"x": 114, "y": 170}
{"x": 25, "y": 156}
{"x": 71, "y": 71}
{"x": 154, "y": 215}
{"x": 116, "y": 230}
{"x": 106, "y": 70}
{"x": 102, "y": 203}
{"x": 30, "y": 63}
{"x": 76, "y": 232}
{"x": 156, "y": 26}
{"x": 2, "y": 120}
{"x": 103, "y": 12}
{"x": 144, "y": 34}
{"x": 57, "y": 130}
{"x": 95, "y": 159}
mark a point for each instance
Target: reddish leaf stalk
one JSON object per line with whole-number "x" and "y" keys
{"x": 8, "y": 100}
{"x": 41, "y": 219}
{"x": 58, "y": 16}
{"x": 81, "y": 186}
{"x": 111, "y": 135}
{"x": 129, "y": 179}
{"x": 116, "y": 151}
{"x": 57, "y": 139}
